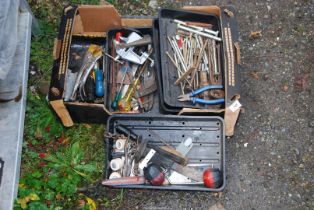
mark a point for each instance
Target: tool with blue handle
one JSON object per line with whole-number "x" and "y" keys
{"x": 190, "y": 96}
{"x": 99, "y": 81}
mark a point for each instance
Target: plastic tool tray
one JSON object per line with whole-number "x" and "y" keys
{"x": 207, "y": 134}
{"x": 168, "y": 72}
{"x": 109, "y": 48}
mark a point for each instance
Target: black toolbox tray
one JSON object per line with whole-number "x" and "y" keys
{"x": 168, "y": 72}
{"x": 126, "y": 32}
{"x": 208, "y": 139}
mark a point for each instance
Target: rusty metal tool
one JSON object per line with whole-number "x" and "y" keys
{"x": 199, "y": 59}
{"x": 149, "y": 85}
{"x": 214, "y": 54}
{"x": 125, "y": 103}
{"x": 216, "y": 79}
{"x": 193, "y": 69}
{"x": 204, "y": 82}
{"x": 146, "y": 40}
{"x": 164, "y": 151}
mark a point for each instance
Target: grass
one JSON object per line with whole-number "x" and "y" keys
{"x": 56, "y": 161}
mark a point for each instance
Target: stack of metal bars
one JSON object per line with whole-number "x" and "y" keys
{"x": 196, "y": 56}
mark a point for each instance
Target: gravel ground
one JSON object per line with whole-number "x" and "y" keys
{"x": 270, "y": 159}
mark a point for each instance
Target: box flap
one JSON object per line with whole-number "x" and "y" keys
{"x": 230, "y": 120}
{"x": 62, "y": 112}
{"x": 134, "y": 22}
{"x": 93, "y": 19}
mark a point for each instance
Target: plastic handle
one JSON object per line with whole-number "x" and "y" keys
{"x": 208, "y": 102}
{"x": 99, "y": 83}
{"x": 208, "y": 87}
{"x": 118, "y": 36}
{"x": 114, "y": 104}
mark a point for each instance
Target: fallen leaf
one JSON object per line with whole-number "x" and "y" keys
{"x": 38, "y": 134}
{"x": 22, "y": 185}
{"x": 55, "y": 91}
{"x": 285, "y": 87}
{"x": 30, "y": 145}
{"x": 218, "y": 194}
{"x": 47, "y": 128}
{"x": 63, "y": 140}
{"x": 91, "y": 203}
{"x": 58, "y": 196}
{"x": 42, "y": 164}
{"x": 43, "y": 87}
{"x": 256, "y": 34}
{"x": 217, "y": 206}
{"x": 88, "y": 126}
{"x": 42, "y": 155}
{"x": 81, "y": 203}
{"x": 255, "y": 75}
{"x": 228, "y": 12}
{"x": 302, "y": 81}
{"x": 23, "y": 201}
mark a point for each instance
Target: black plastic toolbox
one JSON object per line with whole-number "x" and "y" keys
{"x": 167, "y": 71}
{"x": 108, "y": 63}
{"x": 207, "y": 134}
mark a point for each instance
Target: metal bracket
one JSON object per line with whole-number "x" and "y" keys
{"x": 149, "y": 156}
{"x": 185, "y": 146}
{"x": 176, "y": 178}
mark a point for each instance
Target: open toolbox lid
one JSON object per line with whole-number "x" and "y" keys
{"x": 207, "y": 133}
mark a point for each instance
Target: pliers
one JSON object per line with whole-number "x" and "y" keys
{"x": 190, "y": 96}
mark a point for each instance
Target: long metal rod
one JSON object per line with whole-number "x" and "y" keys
{"x": 177, "y": 51}
{"x": 199, "y": 32}
{"x": 197, "y": 27}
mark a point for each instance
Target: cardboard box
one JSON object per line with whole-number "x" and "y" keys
{"x": 82, "y": 21}
{"x": 231, "y": 65}
{"x": 95, "y": 21}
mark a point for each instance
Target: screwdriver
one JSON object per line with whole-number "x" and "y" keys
{"x": 114, "y": 104}
{"x": 125, "y": 103}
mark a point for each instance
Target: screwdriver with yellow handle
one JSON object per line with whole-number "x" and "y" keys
{"x": 125, "y": 103}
